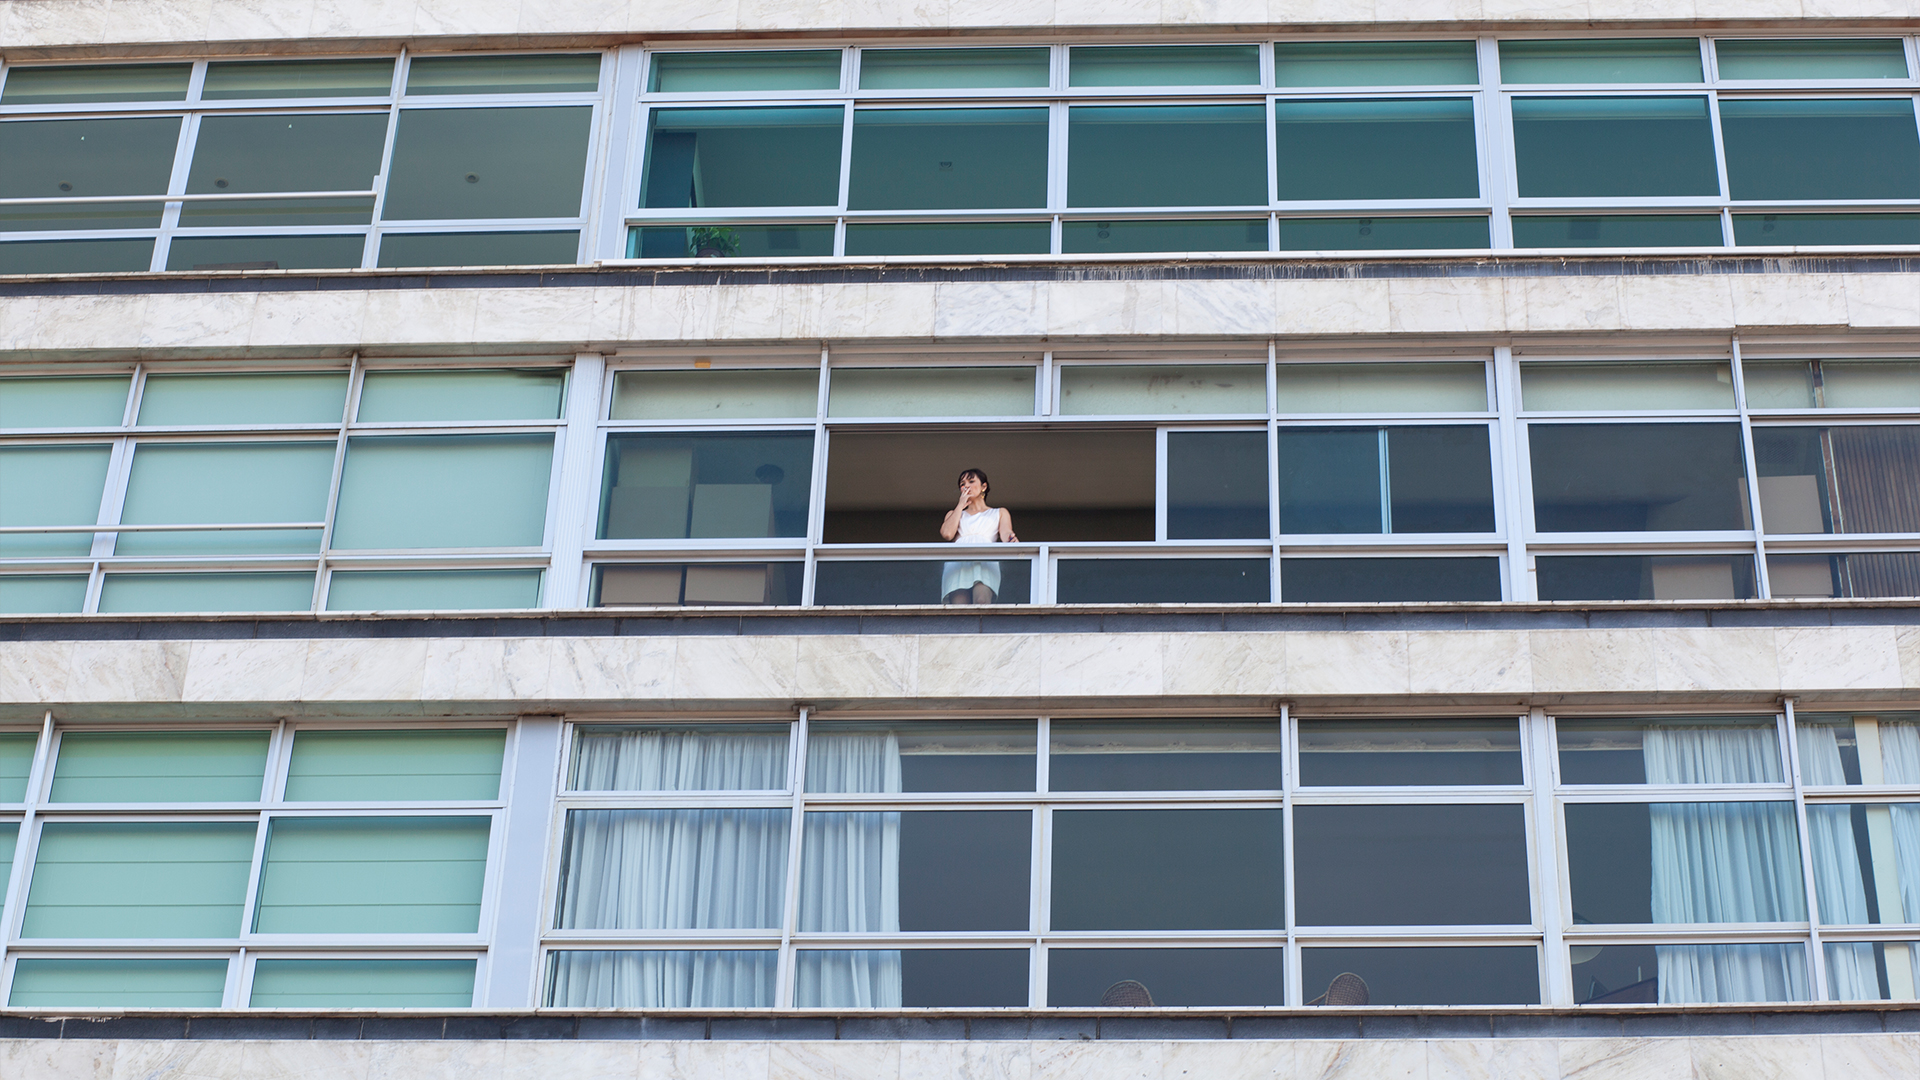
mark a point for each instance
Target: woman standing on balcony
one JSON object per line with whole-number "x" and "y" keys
{"x": 972, "y": 521}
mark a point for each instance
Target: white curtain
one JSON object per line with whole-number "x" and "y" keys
{"x": 856, "y": 762}
{"x": 665, "y": 979}
{"x": 683, "y": 760}
{"x": 1694, "y": 974}
{"x": 850, "y": 874}
{"x": 1900, "y": 749}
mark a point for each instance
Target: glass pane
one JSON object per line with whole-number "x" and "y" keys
{"x": 265, "y": 252}
{"x": 1360, "y": 149}
{"x": 1821, "y": 149}
{"x": 1147, "y": 755}
{"x": 661, "y": 979}
{"x": 1783, "y": 384}
{"x": 433, "y": 590}
{"x": 362, "y": 984}
{"x": 1383, "y": 234}
{"x": 680, "y": 757}
{"x": 718, "y": 157}
{"x": 1409, "y": 753}
{"x": 43, "y": 159}
{"x": 955, "y": 69}
{"x": 1751, "y": 230}
{"x": 1168, "y": 870}
{"x": 1124, "y": 237}
{"x": 297, "y": 79}
{"x": 952, "y": 238}
{"x": 459, "y": 491}
{"x": 369, "y": 875}
{"x": 72, "y": 982}
{"x": 1869, "y": 384}
{"x": 1614, "y": 147}
{"x": 221, "y": 483}
{"x": 488, "y": 163}
{"x": 318, "y": 397}
{"x": 1854, "y": 574}
{"x": 1592, "y": 387}
{"x": 698, "y": 585}
{"x": 1367, "y": 388}
{"x": 77, "y": 256}
{"x": 42, "y": 594}
{"x": 1374, "y": 63}
{"x": 16, "y": 765}
{"x": 285, "y": 152}
{"x": 1163, "y": 581}
{"x": 1688, "y": 974}
{"x": 1622, "y": 60}
{"x": 1644, "y": 577}
{"x": 860, "y": 756}
{"x": 1851, "y": 749}
{"x": 697, "y": 73}
{"x": 1834, "y": 58}
{"x": 1483, "y": 975}
{"x": 730, "y": 241}
{"x": 945, "y": 391}
{"x": 1866, "y": 862}
{"x": 1674, "y": 863}
{"x": 913, "y": 871}
{"x": 911, "y": 159}
{"x": 916, "y": 581}
{"x": 1694, "y": 750}
{"x": 172, "y": 766}
{"x": 1389, "y": 580}
{"x": 715, "y": 394}
{"x": 139, "y": 879}
{"x": 461, "y": 395}
{"x": 1410, "y": 865}
{"x": 1142, "y": 155}
{"x": 1332, "y": 480}
{"x": 50, "y": 485}
{"x": 398, "y": 766}
{"x": 50, "y": 402}
{"x": 1217, "y": 485}
{"x": 1617, "y": 230}
{"x": 70, "y": 85}
{"x": 678, "y": 486}
{"x": 134, "y": 593}
{"x": 1163, "y": 65}
{"x": 1843, "y": 479}
{"x": 1862, "y": 970}
{"x": 1172, "y": 390}
{"x": 1656, "y": 477}
{"x": 911, "y": 978}
{"x": 1440, "y": 479}
{"x": 720, "y": 869}
{"x": 1149, "y": 978}
{"x": 479, "y": 249}
{"x": 575, "y": 73}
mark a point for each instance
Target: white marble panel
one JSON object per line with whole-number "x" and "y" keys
{"x": 969, "y": 309}
{"x": 307, "y": 318}
{"x": 1692, "y": 661}
{"x": 1469, "y": 662}
{"x": 928, "y": 1060}
{"x": 1788, "y": 300}
{"x": 454, "y": 17}
{"x": 156, "y": 1059}
{"x": 1242, "y": 1059}
{"x": 735, "y": 668}
{"x": 978, "y": 666}
{"x": 127, "y": 671}
{"x": 834, "y": 1059}
{"x": 1204, "y": 308}
{"x": 1585, "y": 661}
{"x": 158, "y": 20}
{"x": 1327, "y": 11}
{"x": 1882, "y": 299}
{"x": 264, "y": 671}
{"x": 697, "y": 1060}
{"x": 857, "y": 666}
{"x": 354, "y": 18}
{"x": 481, "y": 669}
{"x": 1493, "y": 1059}
{"x": 1331, "y": 307}
{"x": 198, "y": 320}
{"x": 573, "y": 1060}
{"x": 610, "y": 668}
{"x": 1107, "y": 1060}
{"x": 57, "y": 1059}
{"x": 1436, "y": 11}
{"x": 33, "y": 672}
{"x": 1000, "y": 13}
{"x": 574, "y": 16}
{"x": 893, "y": 310}
{"x": 1235, "y": 664}
{"x": 1676, "y": 303}
{"x": 404, "y": 316}
{"x": 1908, "y": 639}
{"x": 607, "y": 318}
{"x": 1447, "y": 305}
{"x": 746, "y": 312}
{"x": 1347, "y": 663}
{"x": 1100, "y": 665}
{"x": 559, "y": 314}
{"x": 1755, "y": 1057}
{"x": 1106, "y": 12}
{"x": 1109, "y": 307}
{"x": 27, "y": 23}
{"x": 1870, "y": 1057}
{"x": 1839, "y": 658}
{"x": 788, "y": 14}
{"x": 1625, "y": 1059}
{"x": 311, "y": 1059}
{"x": 258, "y": 20}
{"x": 364, "y": 670}
{"x": 681, "y": 16}
{"x": 448, "y": 1059}
{"x": 1560, "y": 304}
{"x": 1532, "y": 10}
{"x": 1361, "y": 1059}
{"x": 896, "y": 14}
{"x": 78, "y": 322}
{"x": 1213, "y": 12}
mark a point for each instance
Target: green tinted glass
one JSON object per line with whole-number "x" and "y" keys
{"x": 461, "y": 395}
{"x": 297, "y": 79}
{"x": 1133, "y": 155}
{"x": 952, "y": 69}
{"x": 944, "y": 391}
{"x": 396, "y": 766}
{"x": 86, "y": 402}
{"x": 1614, "y": 147}
{"x": 69, "y": 85}
{"x": 914, "y": 159}
{"x": 718, "y": 157}
{"x": 488, "y": 163}
{"x": 1836, "y": 58}
{"x": 1616, "y": 230}
{"x": 285, "y": 152}
{"x": 716, "y": 394}
{"x": 265, "y": 252}
{"x": 433, "y": 590}
{"x": 480, "y": 249}
{"x": 1755, "y": 230}
{"x": 362, "y": 984}
{"x": 693, "y": 73}
{"x": 1380, "y": 388}
{"x": 1821, "y": 149}
{"x": 1360, "y": 149}
{"x": 45, "y": 159}
{"x": 553, "y": 74}
{"x": 42, "y": 594}
{"x": 224, "y": 483}
{"x": 1142, "y": 390}
{"x": 373, "y": 875}
{"x": 170, "y": 766}
{"x": 730, "y": 241}
{"x": 139, "y": 879}
{"x": 1374, "y": 63}
{"x": 1627, "y": 60}
{"x": 309, "y": 398}
{"x": 9, "y": 840}
{"x": 72, "y": 982}
{"x": 1666, "y": 385}
{"x": 77, "y": 256}
{"x": 1383, "y": 233}
{"x": 1125, "y": 237}
{"x": 51, "y": 485}
{"x": 1163, "y": 65}
{"x": 951, "y": 238}
{"x": 131, "y": 593}
{"x": 444, "y": 491}
{"x": 16, "y": 764}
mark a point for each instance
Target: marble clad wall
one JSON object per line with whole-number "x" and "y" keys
{"x": 445, "y": 675}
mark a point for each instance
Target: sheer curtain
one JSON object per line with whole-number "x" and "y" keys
{"x": 1851, "y": 972}
{"x": 663, "y": 979}
{"x": 1724, "y": 862}
{"x": 680, "y": 760}
{"x": 1900, "y": 750}
{"x": 850, "y": 874}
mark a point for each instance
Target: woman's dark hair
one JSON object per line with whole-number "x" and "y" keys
{"x": 986, "y": 485}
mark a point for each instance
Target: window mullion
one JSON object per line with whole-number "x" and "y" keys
{"x": 796, "y": 833}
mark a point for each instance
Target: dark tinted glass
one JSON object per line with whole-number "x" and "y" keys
{"x": 1637, "y": 477}
{"x": 1842, "y": 479}
{"x": 1219, "y": 755}
{"x": 1216, "y": 485}
{"x": 1484, "y": 975}
{"x": 45, "y": 159}
{"x": 1410, "y": 865}
{"x": 697, "y": 584}
{"x": 729, "y": 241}
{"x": 325, "y": 152}
{"x": 1644, "y": 577}
{"x": 1617, "y": 230}
{"x": 264, "y": 252}
{"x": 1756, "y": 230}
{"x": 1393, "y": 753}
{"x": 1168, "y": 870}
{"x": 681, "y": 486}
{"x": 1132, "y": 155}
{"x": 989, "y": 756}
{"x": 958, "y": 870}
{"x": 719, "y": 157}
{"x": 1162, "y": 581}
{"x": 1382, "y": 233}
{"x": 913, "y": 159}
{"x": 908, "y": 582}
{"x": 1388, "y": 580}
{"x": 488, "y": 163}
{"x": 951, "y": 238}
{"x": 1165, "y": 977}
{"x": 75, "y": 256}
{"x": 1330, "y": 480}
{"x": 1821, "y": 149}
{"x": 1619, "y": 874}
{"x": 1360, "y": 149}
{"x": 479, "y": 249}
{"x": 1439, "y": 479}
{"x": 1121, "y": 237}
{"x": 1692, "y": 750}
{"x": 1865, "y": 574}
{"x": 1614, "y": 147}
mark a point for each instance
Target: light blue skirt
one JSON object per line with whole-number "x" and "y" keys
{"x": 955, "y": 576}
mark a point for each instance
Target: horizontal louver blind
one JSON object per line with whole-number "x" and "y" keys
{"x": 373, "y": 875}
{"x": 148, "y": 879}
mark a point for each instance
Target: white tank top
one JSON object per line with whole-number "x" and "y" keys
{"x": 980, "y": 528}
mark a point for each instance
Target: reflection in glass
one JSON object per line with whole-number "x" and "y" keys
{"x": 1694, "y": 750}
{"x": 1143, "y": 155}
{"x": 672, "y": 869}
{"x": 1688, "y": 974}
{"x": 1358, "y": 149}
{"x": 716, "y": 394}
{"x": 1853, "y": 230}
{"x": 1484, "y": 975}
{"x": 1617, "y": 230}
{"x": 1163, "y": 65}
{"x": 1644, "y": 577}
{"x": 1359, "y": 388}
{"x": 916, "y": 870}
{"x": 679, "y": 757}
{"x": 1838, "y": 480}
{"x": 739, "y": 240}
{"x": 45, "y": 159}
{"x": 917, "y": 159}
{"x": 1618, "y": 60}
{"x": 1150, "y": 755}
{"x": 950, "y": 238}
{"x": 1125, "y": 237}
{"x": 1421, "y": 865}
{"x": 661, "y": 979}
{"x": 1864, "y": 574}
{"x": 1637, "y": 477}
{"x": 786, "y": 69}
{"x": 918, "y": 978}
{"x": 1382, "y": 233}
{"x": 878, "y": 756}
{"x": 1168, "y": 870}
{"x": 1162, "y": 581}
{"x": 1736, "y": 862}
{"x": 1866, "y": 862}
{"x": 1217, "y": 485}
{"x": 697, "y": 584}
{"x": 1409, "y": 753}
{"x": 1374, "y": 63}
{"x": 42, "y": 594}
{"x": 1829, "y": 148}
{"x": 721, "y": 485}
{"x": 285, "y": 152}
{"x": 488, "y": 163}
{"x": 891, "y": 582}
{"x": 1873, "y": 748}
{"x": 718, "y": 157}
{"x": 1592, "y": 387}
{"x": 1614, "y": 147}
{"x": 1165, "y": 978}
{"x": 1389, "y": 580}
{"x": 1386, "y": 480}
{"x": 952, "y": 69}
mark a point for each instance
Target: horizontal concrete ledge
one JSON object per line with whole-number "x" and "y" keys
{"x": 981, "y": 1025}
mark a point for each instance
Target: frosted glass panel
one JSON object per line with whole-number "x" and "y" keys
{"x": 1374, "y": 63}
{"x": 400, "y": 766}
{"x": 1778, "y": 384}
{"x": 316, "y": 398}
{"x": 50, "y": 485}
{"x": 715, "y": 394}
{"x": 69, "y": 982}
{"x": 392, "y": 875}
{"x": 1629, "y": 60}
{"x": 218, "y": 483}
{"x": 1839, "y": 58}
{"x": 34, "y": 403}
{"x": 42, "y": 594}
{"x": 433, "y": 590}
{"x": 1570, "y": 387}
{"x": 461, "y": 395}
{"x": 1870, "y": 384}
{"x": 362, "y": 984}
{"x": 139, "y": 879}
{"x": 456, "y": 491}
{"x": 1157, "y": 389}
{"x": 16, "y": 762}
{"x": 977, "y": 391}
{"x": 1377, "y": 388}
{"x": 171, "y": 766}
{"x": 130, "y": 593}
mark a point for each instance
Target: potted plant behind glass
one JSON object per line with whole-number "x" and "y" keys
{"x": 713, "y": 242}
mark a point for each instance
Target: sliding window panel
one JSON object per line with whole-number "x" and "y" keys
{"x": 1831, "y": 384}
{"x": 1168, "y": 870}
{"x": 878, "y": 757}
{"x": 316, "y": 397}
{"x": 1134, "y": 237}
{"x": 231, "y": 80}
{"x": 394, "y": 396}
{"x": 706, "y": 486}
{"x": 1165, "y": 978}
{"x": 775, "y": 584}
{"x": 1454, "y": 975}
{"x": 88, "y": 401}
{"x": 955, "y": 159}
{"x": 716, "y": 394}
{"x": 1163, "y": 581}
{"x": 1668, "y": 384}
{"x": 1148, "y": 390}
{"x": 1614, "y": 147}
{"x": 236, "y": 155}
{"x": 910, "y": 978}
{"x": 893, "y": 582}
{"x": 1853, "y": 230}
{"x": 362, "y": 984}
{"x": 1870, "y": 970}
{"x": 9, "y": 841}
{"x": 447, "y": 491}
{"x": 1391, "y": 480}
{"x": 720, "y": 157}
{"x": 1617, "y": 230}
{"x": 1856, "y": 148}
{"x": 75, "y": 256}
{"x": 521, "y": 248}
{"x": 1645, "y": 577}
{"x": 538, "y": 73}
{"x": 373, "y": 875}
{"x": 1217, "y": 485}
{"x": 943, "y": 871}
{"x": 1866, "y": 862}
{"x": 265, "y": 252}
{"x": 1862, "y": 574}
{"x": 661, "y": 978}
{"x": 1427, "y": 865}
{"x": 733, "y": 72}
{"x": 51, "y": 485}
{"x": 210, "y": 593}
{"x": 950, "y": 238}
{"x": 1440, "y": 479}
{"x": 46, "y": 159}
{"x": 1163, "y": 65}
{"x": 1839, "y": 480}
{"x": 1389, "y": 580}
{"x": 1604, "y": 60}
{"x": 941, "y": 391}
{"x": 432, "y": 590}
{"x": 953, "y": 69}
{"x": 1152, "y": 755}
{"x": 1815, "y": 58}
{"x": 1166, "y": 155}
{"x": 1374, "y": 63}
{"x": 139, "y": 879}
{"x": 1383, "y": 233}
{"x": 1637, "y": 974}
{"x": 673, "y": 870}
{"x": 1694, "y": 750}
{"x": 1638, "y": 477}
{"x": 73, "y": 84}
{"x": 42, "y": 594}
{"x": 1381, "y": 388}
{"x": 1851, "y": 749}
{"x": 1409, "y": 753}
{"x": 46, "y": 982}
{"x": 395, "y": 766}
{"x": 16, "y": 765}
{"x": 1360, "y": 149}
{"x": 707, "y": 240}
{"x": 220, "y": 483}
{"x": 160, "y": 766}
{"x": 488, "y": 163}
{"x": 1684, "y": 862}
{"x": 680, "y": 757}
